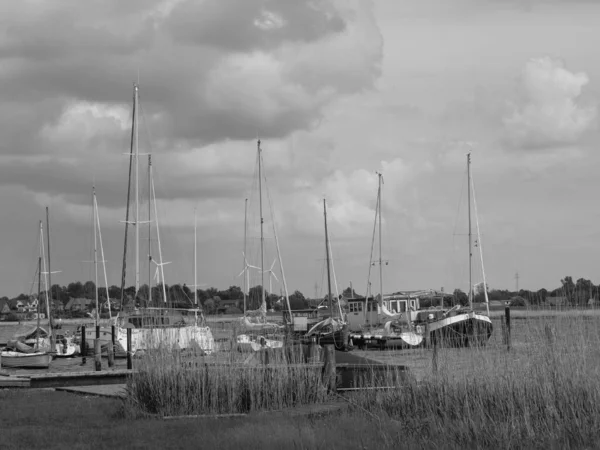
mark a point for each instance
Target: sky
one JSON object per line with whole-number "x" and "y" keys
{"x": 336, "y": 90}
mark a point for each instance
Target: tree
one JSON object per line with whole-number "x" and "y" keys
{"x": 460, "y": 297}
{"x": 297, "y": 300}
{"x": 89, "y": 289}
{"x": 114, "y": 292}
{"x": 210, "y": 306}
{"x": 568, "y": 288}
{"x": 350, "y": 293}
{"x": 254, "y": 297}
{"x": 75, "y": 290}
{"x": 235, "y": 293}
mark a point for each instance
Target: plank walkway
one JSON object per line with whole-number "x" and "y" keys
{"x": 103, "y": 390}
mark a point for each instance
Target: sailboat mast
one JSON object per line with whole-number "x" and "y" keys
{"x": 49, "y": 269}
{"x": 195, "y": 262}
{"x": 95, "y": 250}
{"x": 380, "y": 260}
{"x": 150, "y": 234}
{"x": 470, "y": 233}
{"x": 137, "y": 196}
{"x": 330, "y": 304}
{"x": 124, "y": 267}
{"x": 245, "y": 240}
{"x": 102, "y": 256}
{"x": 262, "y": 237}
{"x": 37, "y": 332}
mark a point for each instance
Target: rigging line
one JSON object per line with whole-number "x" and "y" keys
{"x": 454, "y": 233}
{"x": 479, "y": 244}
{"x": 269, "y": 201}
{"x": 372, "y": 248}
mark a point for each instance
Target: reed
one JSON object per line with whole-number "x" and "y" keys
{"x": 170, "y": 383}
{"x": 544, "y": 392}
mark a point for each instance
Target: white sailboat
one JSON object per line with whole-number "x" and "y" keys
{"x": 154, "y": 327}
{"x": 332, "y": 330}
{"x": 258, "y": 331}
{"x": 382, "y": 317}
{"x": 97, "y": 331}
{"x": 38, "y": 356}
{"x": 459, "y": 326}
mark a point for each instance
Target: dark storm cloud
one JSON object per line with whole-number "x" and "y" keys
{"x": 242, "y": 25}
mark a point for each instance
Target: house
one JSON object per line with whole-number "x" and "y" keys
{"x": 79, "y": 304}
{"x": 224, "y": 305}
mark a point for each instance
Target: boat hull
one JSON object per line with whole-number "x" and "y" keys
{"x": 40, "y": 360}
{"x": 178, "y": 338}
{"x": 461, "y": 330}
{"x": 247, "y": 343}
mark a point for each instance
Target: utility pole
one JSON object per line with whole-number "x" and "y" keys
{"x": 517, "y": 282}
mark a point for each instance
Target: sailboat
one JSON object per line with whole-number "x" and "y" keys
{"x": 258, "y": 332}
{"x": 96, "y": 331}
{"x": 154, "y": 327}
{"x": 25, "y": 356}
{"x": 332, "y": 330}
{"x": 459, "y": 326}
{"x": 382, "y": 316}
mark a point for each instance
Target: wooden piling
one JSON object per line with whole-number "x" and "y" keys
{"x": 98, "y": 355}
{"x": 111, "y": 354}
{"x": 129, "y": 362}
{"x": 329, "y": 373}
{"x": 82, "y": 345}
{"x": 507, "y": 321}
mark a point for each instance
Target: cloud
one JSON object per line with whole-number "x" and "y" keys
{"x": 206, "y": 91}
{"x": 547, "y": 114}
{"x": 243, "y": 25}
{"x": 270, "y": 71}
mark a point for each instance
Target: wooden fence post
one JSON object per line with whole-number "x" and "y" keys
{"x": 98, "y": 354}
{"x": 507, "y": 319}
{"x": 111, "y": 354}
{"x": 82, "y": 346}
{"x": 329, "y": 372}
{"x": 129, "y": 363}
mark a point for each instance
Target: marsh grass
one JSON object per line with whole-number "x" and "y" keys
{"x": 168, "y": 383}
{"x": 543, "y": 393}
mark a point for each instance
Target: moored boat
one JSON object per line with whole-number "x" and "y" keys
{"x": 36, "y": 360}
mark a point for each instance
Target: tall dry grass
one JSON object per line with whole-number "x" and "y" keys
{"x": 170, "y": 383}
{"x": 543, "y": 393}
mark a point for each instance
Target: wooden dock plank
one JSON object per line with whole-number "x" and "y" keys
{"x": 10, "y": 382}
{"x": 104, "y": 390}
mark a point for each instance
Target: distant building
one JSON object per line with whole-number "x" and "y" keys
{"x": 224, "y": 305}
{"x": 79, "y": 304}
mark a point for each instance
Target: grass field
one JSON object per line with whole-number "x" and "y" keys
{"x": 543, "y": 393}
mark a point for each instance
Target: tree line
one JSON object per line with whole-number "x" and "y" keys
{"x": 575, "y": 293}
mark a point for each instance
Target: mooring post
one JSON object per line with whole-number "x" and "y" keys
{"x": 98, "y": 355}
{"x": 507, "y": 320}
{"x": 129, "y": 364}
{"x": 112, "y": 338}
{"x": 329, "y": 373}
{"x": 111, "y": 354}
{"x": 82, "y": 346}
